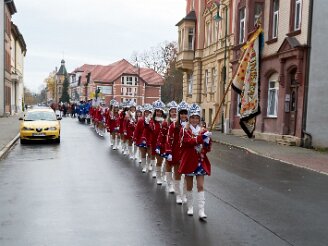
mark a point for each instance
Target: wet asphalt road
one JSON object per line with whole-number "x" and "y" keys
{"x": 82, "y": 193}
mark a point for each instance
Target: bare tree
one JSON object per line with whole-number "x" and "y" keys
{"x": 162, "y": 59}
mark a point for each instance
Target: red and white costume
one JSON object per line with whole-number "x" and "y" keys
{"x": 193, "y": 152}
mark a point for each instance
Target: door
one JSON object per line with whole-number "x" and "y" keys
{"x": 293, "y": 104}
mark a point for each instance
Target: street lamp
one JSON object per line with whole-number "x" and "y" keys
{"x": 218, "y": 18}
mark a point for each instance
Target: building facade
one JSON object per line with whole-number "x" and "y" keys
{"x": 7, "y": 9}
{"x": 18, "y": 53}
{"x": 284, "y": 63}
{"x": 120, "y": 81}
{"x": 204, "y": 45}
{"x": 61, "y": 75}
{"x": 317, "y": 98}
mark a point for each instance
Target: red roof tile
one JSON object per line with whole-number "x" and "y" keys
{"x": 115, "y": 70}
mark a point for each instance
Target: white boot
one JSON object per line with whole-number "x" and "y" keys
{"x": 110, "y": 140}
{"x": 131, "y": 155}
{"x": 126, "y": 148}
{"x": 169, "y": 182}
{"x": 190, "y": 207}
{"x": 115, "y": 143}
{"x": 201, "y": 205}
{"x": 151, "y": 165}
{"x": 159, "y": 175}
{"x": 144, "y": 165}
{"x": 139, "y": 155}
{"x": 178, "y": 199}
{"x": 163, "y": 171}
{"x": 184, "y": 191}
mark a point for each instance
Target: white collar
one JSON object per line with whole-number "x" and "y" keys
{"x": 194, "y": 130}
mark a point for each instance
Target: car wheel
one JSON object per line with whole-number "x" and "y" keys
{"x": 23, "y": 141}
{"x": 57, "y": 140}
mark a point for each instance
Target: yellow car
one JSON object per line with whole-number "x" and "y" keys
{"x": 40, "y": 124}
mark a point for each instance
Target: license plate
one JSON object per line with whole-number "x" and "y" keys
{"x": 38, "y": 134}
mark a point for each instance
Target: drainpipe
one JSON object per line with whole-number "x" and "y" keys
{"x": 307, "y": 137}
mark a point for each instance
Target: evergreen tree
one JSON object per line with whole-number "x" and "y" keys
{"x": 65, "y": 96}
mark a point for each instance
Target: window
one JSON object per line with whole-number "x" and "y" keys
{"x": 273, "y": 96}
{"x": 190, "y": 78}
{"x": 242, "y": 15}
{"x": 191, "y": 38}
{"x": 215, "y": 31}
{"x": 206, "y": 81}
{"x": 129, "y": 80}
{"x": 208, "y": 34}
{"x": 297, "y": 16}
{"x": 258, "y": 12}
{"x": 108, "y": 90}
{"x": 180, "y": 40}
{"x": 275, "y": 18}
{"x": 214, "y": 79}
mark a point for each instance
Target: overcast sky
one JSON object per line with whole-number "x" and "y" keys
{"x": 91, "y": 31}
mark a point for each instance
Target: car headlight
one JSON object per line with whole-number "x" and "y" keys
{"x": 51, "y": 128}
{"x": 27, "y": 128}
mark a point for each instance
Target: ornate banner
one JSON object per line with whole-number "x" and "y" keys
{"x": 247, "y": 83}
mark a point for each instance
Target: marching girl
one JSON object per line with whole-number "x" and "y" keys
{"x": 157, "y": 124}
{"x": 129, "y": 126}
{"x": 142, "y": 134}
{"x": 122, "y": 119}
{"x": 137, "y": 155}
{"x": 108, "y": 117}
{"x": 162, "y": 141}
{"x": 114, "y": 124}
{"x": 195, "y": 143}
{"x": 173, "y": 147}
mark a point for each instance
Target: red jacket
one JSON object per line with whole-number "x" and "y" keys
{"x": 155, "y": 127}
{"x": 114, "y": 122}
{"x": 189, "y": 155}
{"x": 128, "y": 127}
{"x": 162, "y": 138}
{"x": 147, "y": 133}
{"x": 173, "y": 143}
{"x": 122, "y": 117}
{"x": 137, "y": 135}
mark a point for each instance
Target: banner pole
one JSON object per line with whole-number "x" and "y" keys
{"x": 220, "y": 106}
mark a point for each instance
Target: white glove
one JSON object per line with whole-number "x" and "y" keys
{"x": 207, "y": 140}
{"x": 169, "y": 157}
{"x": 158, "y": 151}
{"x": 207, "y": 134}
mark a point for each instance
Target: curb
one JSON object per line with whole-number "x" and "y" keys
{"x": 269, "y": 157}
{"x": 5, "y": 150}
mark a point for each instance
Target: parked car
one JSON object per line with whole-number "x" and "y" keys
{"x": 40, "y": 124}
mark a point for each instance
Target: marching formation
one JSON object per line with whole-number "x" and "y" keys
{"x": 169, "y": 141}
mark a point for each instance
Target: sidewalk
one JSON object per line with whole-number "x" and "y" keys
{"x": 297, "y": 156}
{"x": 9, "y": 133}
{"x": 301, "y": 157}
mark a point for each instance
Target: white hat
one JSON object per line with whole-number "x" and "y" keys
{"x": 158, "y": 104}
{"x": 183, "y": 106}
{"x": 194, "y": 109}
{"x": 148, "y": 107}
{"x": 172, "y": 105}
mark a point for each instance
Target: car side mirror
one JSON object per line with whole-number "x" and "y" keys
{"x": 59, "y": 118}
{"x": 20, "y": 118}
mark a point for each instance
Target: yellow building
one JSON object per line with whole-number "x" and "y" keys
{"x": 204, "y": 44}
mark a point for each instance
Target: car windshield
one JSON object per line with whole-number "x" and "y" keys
{"x": 32, "y": 116}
